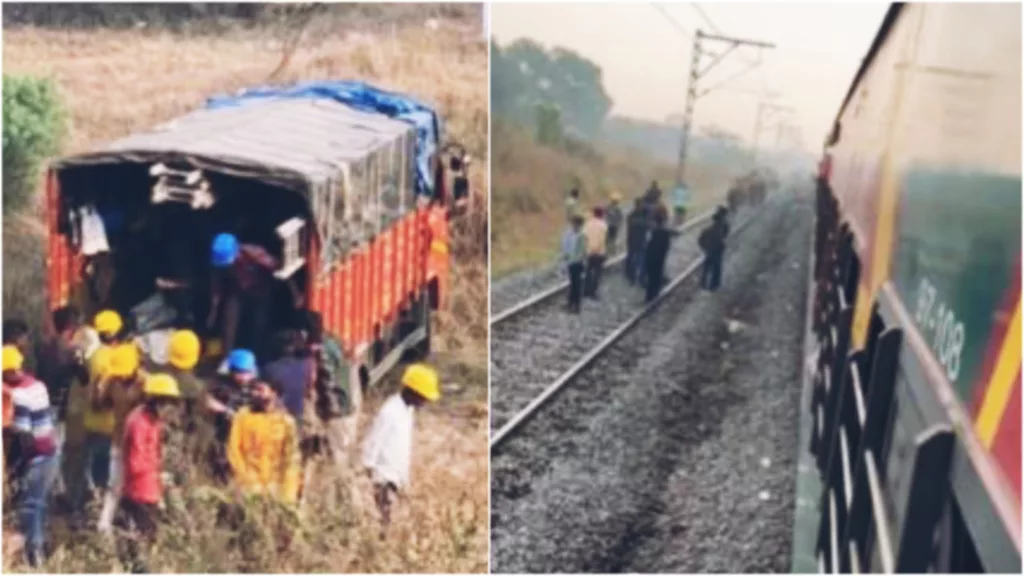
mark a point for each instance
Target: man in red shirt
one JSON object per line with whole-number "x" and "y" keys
{"x": 143, "y": 488}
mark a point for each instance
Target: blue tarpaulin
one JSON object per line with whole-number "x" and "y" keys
{"x": 364, "y": 97}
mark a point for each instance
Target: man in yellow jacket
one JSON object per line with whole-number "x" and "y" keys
{"x": 263, "y": 449}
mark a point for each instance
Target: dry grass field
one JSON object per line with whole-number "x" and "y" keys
{"x": 530, "y": 183}
{"x": 116, "y": 82}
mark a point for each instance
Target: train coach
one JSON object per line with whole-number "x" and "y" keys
{"x": 342, "y": 182}
{"x": 915, "y": 340}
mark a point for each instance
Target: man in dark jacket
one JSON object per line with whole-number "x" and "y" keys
{"x": 712, "y": 242}
{"x": 636, "y": 240}
{"x": 60, "y": 366}
{"x": 656, "y": 253}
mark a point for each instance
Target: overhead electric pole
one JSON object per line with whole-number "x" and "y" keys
{"x": 764, "y": 107}
{"x": 696, "y": 73}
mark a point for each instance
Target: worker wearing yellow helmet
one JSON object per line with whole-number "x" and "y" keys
{"x": 387, "y": 451}
{"x": 112, "y": 397}
{"x": 187, "y": 433}
{"x": 108, "y": 326}
{"x": 143, "y": 457}
{"x": 183, "y": 354}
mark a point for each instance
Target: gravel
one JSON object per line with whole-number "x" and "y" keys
{"x": 530, "y": 350}
{"x": 675, "y": 451}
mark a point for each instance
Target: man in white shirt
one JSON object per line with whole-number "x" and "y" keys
{"x": 596, "y": 233}
{"x": 387, "y": 451}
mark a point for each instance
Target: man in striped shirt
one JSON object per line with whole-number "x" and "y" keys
{"x": 33, "y": 428}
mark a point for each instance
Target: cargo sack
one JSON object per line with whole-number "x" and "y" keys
{"x": 94, "y": 233}
{"x": 153, "y": 313}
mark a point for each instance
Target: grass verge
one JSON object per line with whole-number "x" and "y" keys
{"x": 115, "y": 82}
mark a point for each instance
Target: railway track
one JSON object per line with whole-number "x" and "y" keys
{"x": 658, "y": 448}
{"x": 536, "y": 348}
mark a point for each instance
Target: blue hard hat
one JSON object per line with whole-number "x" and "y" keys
{"x": 241, "y": 360}
{"x": 224, "y": 251}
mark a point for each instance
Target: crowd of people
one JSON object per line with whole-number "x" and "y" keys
{"x": 240, "y": 423}
{"x": 589, "y": 241}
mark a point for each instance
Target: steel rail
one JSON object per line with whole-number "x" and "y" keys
{"x": 526, "y": 413}
{"x": 558, "y": 288}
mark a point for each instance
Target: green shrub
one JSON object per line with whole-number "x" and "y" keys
{"x": 33, "y": 127}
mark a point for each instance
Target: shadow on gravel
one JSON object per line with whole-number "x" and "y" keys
{"x": 703, "y": 396}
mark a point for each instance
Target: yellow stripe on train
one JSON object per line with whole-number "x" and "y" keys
{"x": 1000, "y": 385}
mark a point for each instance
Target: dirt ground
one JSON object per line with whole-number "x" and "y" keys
{"x": 115, "y": 82}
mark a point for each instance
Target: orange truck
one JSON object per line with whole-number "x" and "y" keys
{"x": 343, "y": 183}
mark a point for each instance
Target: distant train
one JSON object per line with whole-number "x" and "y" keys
{"x": 916, "y": 404}
{"x": 751, "y": 188}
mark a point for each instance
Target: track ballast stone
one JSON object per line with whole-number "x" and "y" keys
{"x": 675, "y": 451}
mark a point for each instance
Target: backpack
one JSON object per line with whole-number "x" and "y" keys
{"x": 705, "y": 239}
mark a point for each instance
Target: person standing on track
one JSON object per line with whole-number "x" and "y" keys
{"x": 712, "y": 242}
{"x": 614, "y": 219}
{"x": 574, "y": 253}
{"x": 387, "y": 451}
{"x": 656, "y": 254}
{"x": 572, "y": 204}
{"x": 596, "y": 233}
{"x": 636, "y": 240}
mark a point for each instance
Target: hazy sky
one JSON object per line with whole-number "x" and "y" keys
{"x": 646, "y": 58}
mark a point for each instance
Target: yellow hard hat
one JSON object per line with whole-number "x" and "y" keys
{"x": 123, "y": 361}
{"x": 184, "y": 350}
{"x": 422, "y": 380}
{"x": 12, "y": 358}
{"x": 108, "y": 323}
{"x": 161, "y": 385}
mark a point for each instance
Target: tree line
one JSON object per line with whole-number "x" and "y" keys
{"x": 557, "y": 91}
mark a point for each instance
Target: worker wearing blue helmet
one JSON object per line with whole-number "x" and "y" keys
{"x": 229, "y": 394}
{"x": 242, "y": 292}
